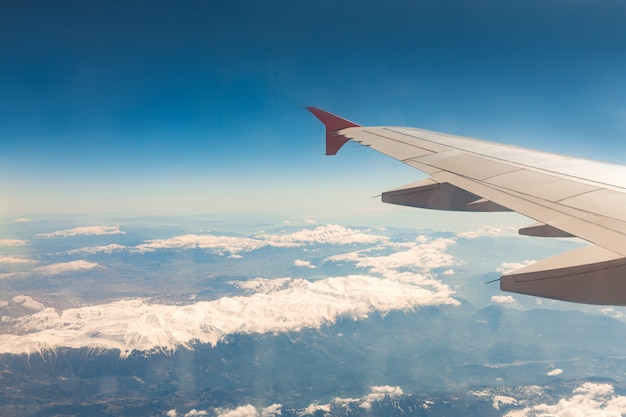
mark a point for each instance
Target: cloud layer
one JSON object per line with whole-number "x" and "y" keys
{"x": 64, "y": 267}
{"x": 281, "y": 306}
{"x": 590, "y": 399}
{"x": 84, "y": 231}
{"x": 13, "y": 242}
{"x": 422, "y": 254}
{"x": 377, "y": 393}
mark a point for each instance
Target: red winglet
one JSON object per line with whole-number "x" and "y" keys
{"x": 334, "y": 141}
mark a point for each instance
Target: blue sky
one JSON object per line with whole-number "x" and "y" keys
{"x": 192, "y": 107}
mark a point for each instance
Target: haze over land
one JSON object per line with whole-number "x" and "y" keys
{"x": 172, "y": 243}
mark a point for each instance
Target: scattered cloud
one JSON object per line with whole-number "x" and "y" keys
{"x": 296, "y": 222}
{"x": 28, "y": 302}
{"x": 304, "y": 264}
{"x": 195, "y": 413}
{"x": 250, "y": 411}
{"x": 590, "y": 399}
{"x": 14, "y": 260}
{"x": 611, "y": 312}
{"x": 13, "y": 242}
{"x": 325, "y": 235}
{"x": 502, "y": 399}
{"x": 22, "y": 220}
{"x": 508, "y": 267}
{"x": 63, "y": 267}
{"x": 312, "y": 408}
{"x": 218, "y": 244}
{"x": 108, "y": 249}
{"x": 243, "y": 411}
{"x": 130, "y": 325}
{"x": 264, "y": 285}
{"x": 226, "y": 245}
{"x": 424, "y": 255}
{"x": 377, "y": 393}
{"x": 488, "y": 231}
{"x": 555, "y": 372}
{"x": 272, "y": 410}
{"x": 503, "y": 299}
{"x": 84, "y": 231}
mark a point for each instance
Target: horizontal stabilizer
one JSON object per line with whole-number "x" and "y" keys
{"x": 543, "y": 230}
{"x": 589, "y": 275}
{"x": 334, "y": 141}
{"x": 439, "y": 196}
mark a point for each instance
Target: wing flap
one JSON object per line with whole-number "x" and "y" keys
{"x": 434, "y": 195}
{"x": 608, "y": 203}
{"x": 543, "y": 230}
{"x": 590, "y": 275}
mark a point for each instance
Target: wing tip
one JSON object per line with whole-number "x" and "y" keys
{"x": 333, "y": 124}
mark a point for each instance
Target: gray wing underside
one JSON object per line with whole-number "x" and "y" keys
{"x": 565, "y": 196}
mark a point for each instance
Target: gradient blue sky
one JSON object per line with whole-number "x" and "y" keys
{"x": 153, "y": 107}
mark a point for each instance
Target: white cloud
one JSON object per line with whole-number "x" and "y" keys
{"x": 424, "y": 255}
{"x": 130, "y": 325}
{"x": 264, "y": 285}
{"x": 272, "y": 410}
{"x": 314, "y": 407}
{"x": 28, "y": 302}
{"x": 63, "y": 267}
{"x": 501, "y": 399}
{"x": 555, "y": 372}
{"x": 611, "y": 312}
{"x": 108, "y": 249}
{"x": 13, "y": 242}
{"x": 14, "y": 260}
{"x": 449, "y": 272}
{"x": 304, "y": 264}
{"x": 83, "y": 231}
{"x": 590, "y": 399}
{"x": 243, "y": 411}
{"x": 378, "y": 393}
{"x": 218, "y": 244}
{"x": 22, "y": 220}
{"x": 326, "y": 235}
{"x": 503, "y": 299}
{"x": 234, "y": 246}
{"x": 194, "y": 413}
{"x": 488, "y": 231}
{"x": 171, "y": 413}
{"x": 508, "y": 267}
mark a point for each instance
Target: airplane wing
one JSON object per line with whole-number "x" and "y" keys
{"x": 566, "y": 197}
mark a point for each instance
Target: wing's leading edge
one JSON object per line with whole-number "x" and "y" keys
{"x": 566, "y": 197}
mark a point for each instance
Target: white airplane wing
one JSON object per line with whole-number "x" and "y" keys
{"x": 565, "y": 196}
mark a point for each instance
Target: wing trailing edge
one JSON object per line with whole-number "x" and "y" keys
{"x": 589, "y": 275}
